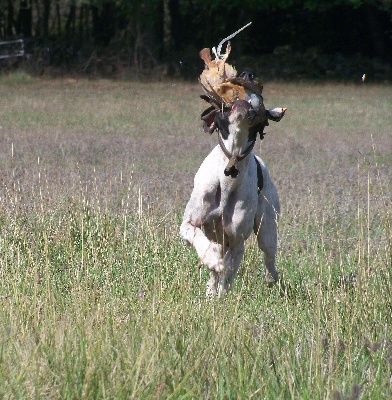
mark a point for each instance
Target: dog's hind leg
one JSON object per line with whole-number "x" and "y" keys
{"x": 266, "y": 229}
{"x": 232, "y": 259}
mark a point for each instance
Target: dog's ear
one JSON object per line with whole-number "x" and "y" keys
{"x": 208, "y": 118}
{"x": 222, "y": 123}
{"x": 276, "y": 114}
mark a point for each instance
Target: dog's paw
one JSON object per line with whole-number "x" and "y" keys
{"x": 211, "y": 286}
{"x": 210, "y": 292}
{"x": 219, "y": 267}
{"x": 213, "y": 258}
{"x": 271, "y": 279}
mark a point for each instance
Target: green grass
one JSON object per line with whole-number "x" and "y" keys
{"x": 101, "y": 299}
{"x": 16, "y": 79}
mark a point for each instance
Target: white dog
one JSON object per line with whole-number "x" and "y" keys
{"x": 233, "y": 194}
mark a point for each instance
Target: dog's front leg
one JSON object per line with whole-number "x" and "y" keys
{"x": 210, "y": 253}
{"x": 212, "y": 285}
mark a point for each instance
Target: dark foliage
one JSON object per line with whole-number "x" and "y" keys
{"x": 161, "y": 38}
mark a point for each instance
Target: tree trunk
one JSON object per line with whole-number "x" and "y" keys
{"x": 10, "y": 18}
{"x": 81, "y": 22}
{"x": 176, "y": 23}
{"x": 70, "y": 21}
{"x": 58, "y": 18}
{"x": 95, "y": 19}
{"x": 46, "y": 17}
{"x": 376, "y": 33}
{"x": 104, "y": 22}
{"x": 38, "y": 20}
{"x": 26, "y": 18}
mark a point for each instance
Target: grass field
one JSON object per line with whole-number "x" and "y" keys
{"x": 99, "y": 298}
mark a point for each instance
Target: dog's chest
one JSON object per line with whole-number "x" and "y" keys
{"x": 231, "y": 215}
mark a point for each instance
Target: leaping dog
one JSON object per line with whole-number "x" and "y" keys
{"x": 233, "y": 195}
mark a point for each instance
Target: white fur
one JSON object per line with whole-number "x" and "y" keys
{"x": 223, "y": 211}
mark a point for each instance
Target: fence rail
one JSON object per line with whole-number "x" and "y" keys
{"x": 13, "y": 48}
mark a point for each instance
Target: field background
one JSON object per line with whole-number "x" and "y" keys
{"x": 100, "y": 298}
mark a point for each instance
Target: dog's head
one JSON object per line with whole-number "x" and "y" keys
{"x": 246, "y": 115}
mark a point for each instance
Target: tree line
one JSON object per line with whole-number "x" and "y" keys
{"x": 166, "y": 35}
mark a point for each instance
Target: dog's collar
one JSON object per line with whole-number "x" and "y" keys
{"x": 231, "y": 167}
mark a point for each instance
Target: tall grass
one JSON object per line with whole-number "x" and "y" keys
{"x": 100, "y": 298}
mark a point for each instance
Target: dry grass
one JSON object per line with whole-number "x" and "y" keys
{"x": 111, "y": 130}
{"x": 100, "y": 298}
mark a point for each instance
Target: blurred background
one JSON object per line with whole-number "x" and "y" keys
{"x": 160, "y": 39}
